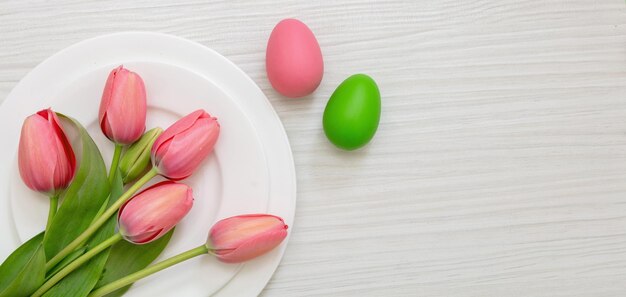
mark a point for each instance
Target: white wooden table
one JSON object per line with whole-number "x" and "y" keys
{"x": 499, "y": 168}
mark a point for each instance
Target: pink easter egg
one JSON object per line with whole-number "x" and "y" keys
{"x": 293, "y": 59}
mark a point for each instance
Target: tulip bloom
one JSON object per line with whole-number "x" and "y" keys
{"x": 178, "y": 152}
{"x": 122, "y": 113}
{"x": 46, "y": 160}
{"x": 155, "y": 211}
{"x": 241, "y": 238}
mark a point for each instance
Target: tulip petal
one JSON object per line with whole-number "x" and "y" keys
{"x": 252, "y": 247}
{"x": 182, "y": 147}
{"x": 153, "y": 212}
{"x": 37, "y": 163}
{"x": 146, "y": 237}
{"x": 106, "y": 99}
{"x": 179, "y": 126}
{"x": 126, "y": 114}
{"x": 65, "y": 153}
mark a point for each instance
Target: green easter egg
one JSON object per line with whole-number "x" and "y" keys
{"x": 352, "y": 113}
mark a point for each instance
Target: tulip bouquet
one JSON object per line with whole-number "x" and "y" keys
{"x": 102, "y": 232}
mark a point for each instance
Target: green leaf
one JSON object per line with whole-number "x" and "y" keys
{"x": 82, "y": 199}
{"x": 82, "y": 280}
{"x": 67, "y": 260}
{"x": 126, "y": 258}
{"x": 24, "y": 270}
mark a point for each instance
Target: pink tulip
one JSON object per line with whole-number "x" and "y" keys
{"x": 180, "y": 149}
{"x": 155, "y": 211}
{"x": 46, "y": 160}
{"x": 241, "y": 238}
{"x": 122, "y": 112}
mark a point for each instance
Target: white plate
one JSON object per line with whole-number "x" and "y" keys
{"x": 250, "y": 171}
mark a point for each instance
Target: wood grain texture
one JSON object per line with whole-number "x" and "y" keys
{"x": 499, "y": 168}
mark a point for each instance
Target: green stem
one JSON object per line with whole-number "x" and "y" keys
{"x": 54, "y": 202}
{"x": 115, "y": 162}
{"x": 100, "y": 221}
{"x": 131, "y": 278}
{"x": 76, "y": 263}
